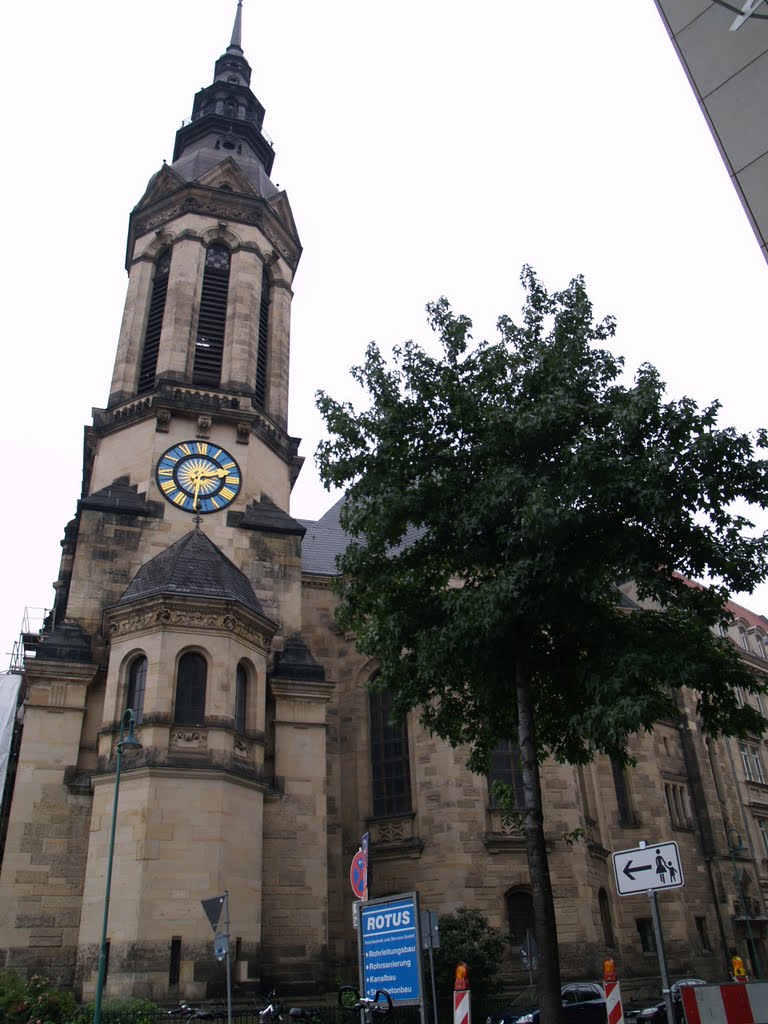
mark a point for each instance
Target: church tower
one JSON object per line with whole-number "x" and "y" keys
{"x": 179, "y": 596}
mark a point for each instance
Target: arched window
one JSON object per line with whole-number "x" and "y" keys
{"x": 212, "y": 319}
{"x": 241, "y": 698}
{"x": 190, "y": 690}
{"x": 520, "y": 916}
{"x": 390, "y": 767}
{"x": 605, "y": 917}
{"x": 148, "y": 366}
{"x": 260, "y": 391}
{"x": 506, "y": 768}
{"x": 137, "y": 685}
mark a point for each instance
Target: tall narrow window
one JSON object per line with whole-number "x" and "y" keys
{"x": 605, "y": 917}
{"x": 390, "y": 768}
{"x": 644, "y": 927}
{"x": 241, "y": 698}
{"x": 174, "y": 968}
{"x": 260, "y": 391}
{"x": 212, "y": 319}
{"x": 519, "y": 916}
{"x": 148, "y": 366}
{"x": 506, "y": 768}
{"x": 137, "y": 685}
{"x": 190, "y": 690}
{"x": 626, "y": 817}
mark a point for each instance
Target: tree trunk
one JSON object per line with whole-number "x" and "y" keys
{"x": 535, "y": 847}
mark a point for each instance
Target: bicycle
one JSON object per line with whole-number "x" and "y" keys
{"x": 372, "y": 1010}
{"x": 268, "y": 1007}
{"x": 185, "y": 1012}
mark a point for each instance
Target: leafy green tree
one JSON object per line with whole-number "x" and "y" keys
{"x": 33, "y": 1000}
{"x": 496, "y": 496}
{"x": 466, "y": 935}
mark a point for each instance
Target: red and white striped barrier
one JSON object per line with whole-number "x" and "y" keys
{"x": 613, "y": 1007}
{"x": 462, "y": 1008}
{"x": 737, "y": 1003}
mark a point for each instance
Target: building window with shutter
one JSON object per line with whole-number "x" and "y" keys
{"x": 149, "y": 353}
{"x": 390, "y": 766}
{"x": 137, "y": 685}
{"x": 212, "y": 318}
{"x": 190, "y": 690}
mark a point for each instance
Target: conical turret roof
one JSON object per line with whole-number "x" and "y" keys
{"x": 192, "y": 567}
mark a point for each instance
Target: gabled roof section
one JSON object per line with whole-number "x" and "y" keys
{"x": 227, "y": 175}
{"x": 120, "y": 496}
{"x": 268, "y": 517}
{"x": 192, "y": 567}
{"x": 282, "y": 208}
{"x": 161, "y": 184}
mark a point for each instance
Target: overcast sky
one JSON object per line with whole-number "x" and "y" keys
{"x": 427, "y": 148}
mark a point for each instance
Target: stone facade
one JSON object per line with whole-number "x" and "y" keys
{"x": 256, "y": 772}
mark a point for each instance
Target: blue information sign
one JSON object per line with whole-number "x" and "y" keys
{"x": 390, "y": 948}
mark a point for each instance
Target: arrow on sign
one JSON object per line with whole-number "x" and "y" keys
{"x": 628, "y": 869}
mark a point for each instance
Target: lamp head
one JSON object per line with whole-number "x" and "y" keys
{"x": 738, "y": 845}
{"x": 130, "y": 742}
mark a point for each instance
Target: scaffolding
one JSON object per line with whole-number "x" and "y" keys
{"x": 35, "y": 620}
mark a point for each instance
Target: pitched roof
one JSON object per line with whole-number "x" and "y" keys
{"x": 323, "y": 541}
{"x": 192, "y": 567}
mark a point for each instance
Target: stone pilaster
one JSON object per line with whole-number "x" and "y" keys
{"x": 44, "y": 864}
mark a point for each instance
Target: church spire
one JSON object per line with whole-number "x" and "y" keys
{"x": 234, "y": 43}
{"x": 227, "y": 119}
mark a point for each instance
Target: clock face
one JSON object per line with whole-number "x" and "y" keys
{"x": 198, "y": 476}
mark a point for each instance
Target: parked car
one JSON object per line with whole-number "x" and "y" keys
{"x": 583, "y": 1003}
{"x": 657, "y": 1014}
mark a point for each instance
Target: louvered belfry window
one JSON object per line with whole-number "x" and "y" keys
{"x": 154, "y": 323}
{"x": 260, "y": 395}
{"x": 212, "y": 319}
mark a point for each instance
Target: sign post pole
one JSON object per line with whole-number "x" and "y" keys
{"x": 660, "y": 950}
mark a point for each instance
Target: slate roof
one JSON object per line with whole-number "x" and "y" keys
{"x": 119, "y": 496}
{"x": 192, "y": 567}
{"x": 323, "y": 540}
{"x": 265, "y": 515}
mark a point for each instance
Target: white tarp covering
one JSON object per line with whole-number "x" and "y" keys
{"x": 9, "y": 691}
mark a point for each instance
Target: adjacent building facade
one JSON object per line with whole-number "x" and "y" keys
{"x": 723, "y": 48}
{"x": 188, "y": 593}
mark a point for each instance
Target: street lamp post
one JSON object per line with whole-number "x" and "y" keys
{"x": 131, "y": 743}
{"x": 733, "y": 849}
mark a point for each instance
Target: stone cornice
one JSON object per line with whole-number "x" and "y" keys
{"x": 317, "y": 582}
{"x": 185, "y": 772}
{"x": 315, "y": 691}
{"x": 212, "y": 202}
{"x": 179, "y": 614}
{"x": 184, "y": 400}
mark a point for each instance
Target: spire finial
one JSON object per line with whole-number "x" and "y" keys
{"x": 235, "y": 42}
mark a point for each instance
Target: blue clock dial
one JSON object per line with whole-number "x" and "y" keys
{"x": 197, "y": 476}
